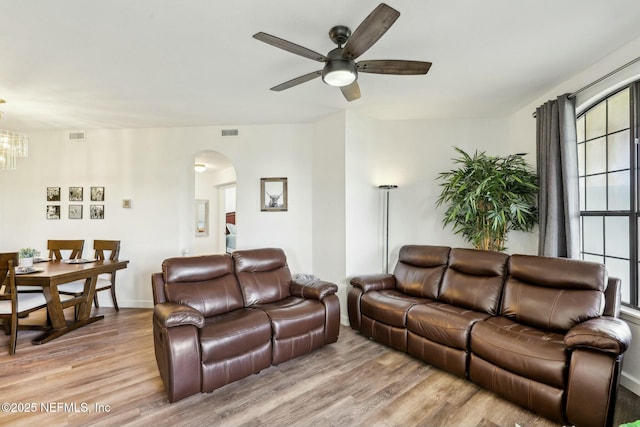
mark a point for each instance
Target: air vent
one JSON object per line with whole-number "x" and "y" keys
{"x": 77, "y": 136}
{"x": 229, "y": 132}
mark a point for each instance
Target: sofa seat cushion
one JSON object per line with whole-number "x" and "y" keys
{"x": 526, "y": 351}
{"x": 389, "y": 306}
{"x": 298, "y": 327}
{"x": 231, "y": 334}
{"x": 283, "y": 303}
{"x": 294, "y": 316}
{"x": 523, "y": 390}
{"x": 443, "y": 323}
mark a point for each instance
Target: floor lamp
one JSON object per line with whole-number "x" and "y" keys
{"x": 385, "y": 223}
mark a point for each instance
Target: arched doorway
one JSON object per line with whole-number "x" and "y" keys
{"x": 215, "y": 203}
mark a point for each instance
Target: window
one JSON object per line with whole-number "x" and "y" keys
{"x": 608, "y": 177}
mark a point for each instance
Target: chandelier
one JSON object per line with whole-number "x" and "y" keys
{"x": 12, "y": 146}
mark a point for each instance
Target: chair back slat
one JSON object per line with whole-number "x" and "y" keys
{"x": 56, "y": 247}
{"x": 112, "y": 247}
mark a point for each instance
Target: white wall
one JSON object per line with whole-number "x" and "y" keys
{"x": 154, "y": 168}
{"x": 363, "y": 209}
{"x": 328, "y": 199}
{"x": 409, "y": 154}
{"x": 522, "y": 131}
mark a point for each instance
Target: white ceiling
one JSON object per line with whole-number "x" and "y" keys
{"x": 80, "y": 64}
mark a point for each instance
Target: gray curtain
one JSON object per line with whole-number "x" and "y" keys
{"x": 557, "y": 158}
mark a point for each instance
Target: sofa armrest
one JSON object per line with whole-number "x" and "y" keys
{"x": 176, "y": 345}
{"x": 374, "y": 282}
{"x": 605, "y": 334}
{"x": 305, "y": 287}
{"x": 169, "y": 315}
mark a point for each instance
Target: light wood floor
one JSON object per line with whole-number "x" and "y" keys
{"x": 107, "y": 370}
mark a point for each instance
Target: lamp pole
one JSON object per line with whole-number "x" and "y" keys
{"x": 385, "y": 229}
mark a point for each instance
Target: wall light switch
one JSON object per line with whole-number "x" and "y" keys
{"x": 126, "y": 203}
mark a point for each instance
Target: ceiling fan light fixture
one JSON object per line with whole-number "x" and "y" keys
{"x": 340, "y": 69}
{"x": 339, "y": 72}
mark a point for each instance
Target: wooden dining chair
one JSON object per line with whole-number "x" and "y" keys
{"x": 14, "y": 305}
{"x": 105, "y": 281}
{"x": 56, "y": 248}
{"x": 74, "y": 247}
{"x": 57, "y": 251}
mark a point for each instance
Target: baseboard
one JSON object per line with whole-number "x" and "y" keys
{"x": 631, "y": 383}
{"x": 137, "y": 304}
{"x": 106, "y": 302}
{"x": 344, "y": 320}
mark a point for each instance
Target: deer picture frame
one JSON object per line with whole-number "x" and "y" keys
{"x": 273, "y": 195}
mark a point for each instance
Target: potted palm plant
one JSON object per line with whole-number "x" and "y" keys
{"x": 487, "y": 196}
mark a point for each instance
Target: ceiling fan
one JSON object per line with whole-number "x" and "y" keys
{"x": 340, "y": 68}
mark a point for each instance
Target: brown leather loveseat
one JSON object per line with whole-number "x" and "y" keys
{"x": 220, "y": 318}
{"x": 541, "y": 332}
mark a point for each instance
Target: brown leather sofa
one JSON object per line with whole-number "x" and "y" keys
{"x": 220, "y": 318}
{"x": 541, "y": 332}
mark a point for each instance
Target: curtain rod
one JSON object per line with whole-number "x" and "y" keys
{"x": 595, "y": 82}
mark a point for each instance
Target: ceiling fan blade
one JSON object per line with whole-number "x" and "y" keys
{"x": 370, "y": 30}
{"x": 297, "y": 81}
{"x": 289, "y": 47}
{"x": 351, "y": 92}
{"x": 392, "y": 66}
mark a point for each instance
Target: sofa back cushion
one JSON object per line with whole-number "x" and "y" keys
{"x": 263, "y": 275}
{"x": 420, "y": 268}
{"x": 553, "y": 293}
{"x": 474, "y": 280}
{"x": 206, "y": 283}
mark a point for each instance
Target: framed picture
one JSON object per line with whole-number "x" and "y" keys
{"x": 53, "y": 194}
{"x": 273, "y": 194}
{"x": 53, "y": 211}
{"x": 75, "y": 194}
{"x": 97, "y": 194}
{"x": 96, "y": 211}
{"x": 75, "y": 211}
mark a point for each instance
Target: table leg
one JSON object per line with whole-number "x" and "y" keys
{"x": 56, "y": 312}
{"x": 84, "y": 311}
{"x": 54, "y": 307}
{"x": 55, "y": 333}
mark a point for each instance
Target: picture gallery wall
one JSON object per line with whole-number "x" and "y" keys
{"x": 76, "y": 207}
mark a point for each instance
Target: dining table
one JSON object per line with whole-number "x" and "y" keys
{"x": 49, "y": 274}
